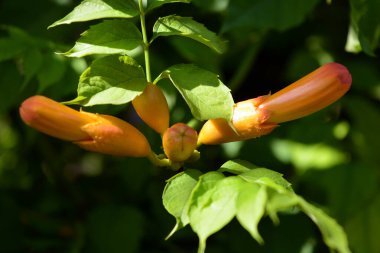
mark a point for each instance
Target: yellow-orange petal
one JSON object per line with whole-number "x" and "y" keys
{"x": 309, "y": 94}
{"x": 54, "y": 119}
{"x": 113, "y": 136}
{"x": 248, "y": 121}
{"x": 152, "y": 108}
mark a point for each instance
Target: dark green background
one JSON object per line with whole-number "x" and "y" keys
{"x": 55, "y": 197}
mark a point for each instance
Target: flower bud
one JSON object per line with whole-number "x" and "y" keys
{"x": 93, "y": 132}
{"x": 179, "y": 142}
{"x": 152, "y": 108}
{"x": 259, "y": 116}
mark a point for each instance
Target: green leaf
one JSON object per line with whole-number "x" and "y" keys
{"x": 108, "y": 37}
{"x": 51, "y": 71}
{"x": 32, "y": 62}
{"x": 152, "y": 4}
{"x": 236, "y": 167}
{"x": 332, "y": 233}
{"x": 111, "y": 80}
{"x": 267, "y": 14}
{"x": 187, "y": 27}
{"x": 280, "y": 202}
{"x": 365, "y": 21}
{"x": 308, "y": 156}
{"x": 176, "y": 195}
{"x": 98, "y": 9}
{"x": 204, "y": 93}
{"x": 267, "y": 177}
{"x": 250, "y": 207}
{"x": 11, "y": 48}
{"x": 212, "y": 208}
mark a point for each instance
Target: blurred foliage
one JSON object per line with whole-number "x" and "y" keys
{"x": 55, "y": 197}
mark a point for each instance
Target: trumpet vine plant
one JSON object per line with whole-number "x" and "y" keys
{"x": 205, "y": 201}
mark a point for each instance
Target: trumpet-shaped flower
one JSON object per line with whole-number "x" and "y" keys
{"x": 259, "y": 116}
{"x": 94, "y": 132}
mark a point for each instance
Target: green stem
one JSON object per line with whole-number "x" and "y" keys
{"x": 163, "y": 162}
{"x": 145, "y": 42}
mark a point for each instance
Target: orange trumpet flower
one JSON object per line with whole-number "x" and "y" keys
{"x": 94, "y": 132}
{"x": 259, "y": 116}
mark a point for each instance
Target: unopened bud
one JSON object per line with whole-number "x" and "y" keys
{"x": 152, "y": 108}
{"x": 179, "y": 142}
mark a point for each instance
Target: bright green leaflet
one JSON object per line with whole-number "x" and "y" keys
{"x": 111, "y": 80}
{"x": 333, "y": 234}
{"x": 187, "y": 27}
{"x": 236, "y": 167}
{"x": 250, "y": 206}
{"x": 204, "y": 93}
{"x": 176, "y": 195}
{"x": 211, "y": 209}
{"x": 98, "y": 9}
{"x": 108, "y": 37}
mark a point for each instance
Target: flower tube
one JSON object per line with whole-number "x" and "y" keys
{"x": 93, "y": 132}
{"x": 260, "y": 116}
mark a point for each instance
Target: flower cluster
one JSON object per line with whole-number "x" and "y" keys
{"x": 251, "y": 118}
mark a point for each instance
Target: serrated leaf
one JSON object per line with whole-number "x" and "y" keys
{"x": 152, "y": 4}
{"x": 236, "y": 166}
{"x": 97, "y": 9}
{"x": 267, "y": 177}
{"x": 250, "y": 205}
{"x": 111, "y": 80}
{"x": 203, "y": 92}
{"x": 185, "y": 26}
{"x": 211, "y": 209}
{"x": 332, "y": 233}
{"x": 176, "y": 195}
{"x": 108, "y": 37}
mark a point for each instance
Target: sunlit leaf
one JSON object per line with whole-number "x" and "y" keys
{"x": 176, "y": 195}
{"x": 236, "y": 167}
{"x": 308, "y": 156}
{"x": 267, "y": 177}
{"x": 211, "y": 208}
{"x": 332, "y": 233}
{"x": 204, "y": 93}
{"x": 111, "y": 80}
{"x": 97, "y": 9}
{"x": 108, "y": 37}
{"x": 250, "y": 207}
{"x": 187, "y": 27}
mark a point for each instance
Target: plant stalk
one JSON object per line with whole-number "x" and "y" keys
{"x": 145, "y": 42}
